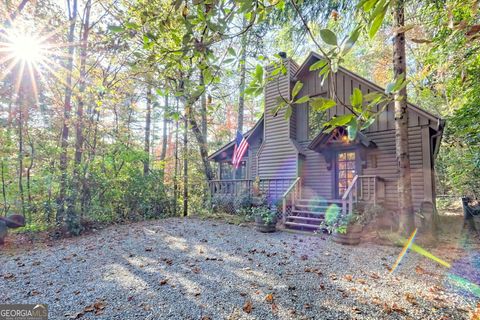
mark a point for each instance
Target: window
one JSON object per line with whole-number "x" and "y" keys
{"x": 227, "y": 171}
{"x": 345, "y": 170}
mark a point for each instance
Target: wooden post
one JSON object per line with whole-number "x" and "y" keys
{"x": 350, "y": 203}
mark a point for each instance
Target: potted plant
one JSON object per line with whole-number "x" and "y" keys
{"x": 265, "y": 218}
{"x": 349, "y": 229}
{"x": 345, "y": 229}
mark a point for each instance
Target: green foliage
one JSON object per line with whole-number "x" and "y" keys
{"x": 265, "y": 213}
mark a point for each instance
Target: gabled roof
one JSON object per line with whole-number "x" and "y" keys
{"x": 327, "y": 139}
{"x": 231, "y": 144}
{"x": 313, "y": 56}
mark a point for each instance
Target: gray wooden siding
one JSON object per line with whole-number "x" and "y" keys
{"x": 387, "y": 166}
{"x": 317, "y": 180}
{"x": 255, "y": 142}
{"x": 345, "y": 84}
{"x": 277, "y": 157}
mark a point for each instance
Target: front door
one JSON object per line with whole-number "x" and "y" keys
{"x": 345, "y": 165}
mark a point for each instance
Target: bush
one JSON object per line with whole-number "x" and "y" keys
{"x": 226, "y": 203}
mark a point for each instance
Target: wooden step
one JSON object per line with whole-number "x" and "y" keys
{"x": 305, "y": 219}
{"x": 314, "y": 213}
{"x": 323, "y": 201}
{"x": 304, "y": 225}
{"x": 311, "y": 208}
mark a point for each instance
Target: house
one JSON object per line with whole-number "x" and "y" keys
{"x": 309, "y": 170}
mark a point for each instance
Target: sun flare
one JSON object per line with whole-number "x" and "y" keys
{"x": 26, "y": 48}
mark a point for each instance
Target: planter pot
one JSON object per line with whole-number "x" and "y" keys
{"x": 3, "y": 232}
{"x": 261, "y": 226}
{"x": 351, "y": 237}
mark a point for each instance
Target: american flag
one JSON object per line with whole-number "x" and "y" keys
{"x": 241, "y": 146}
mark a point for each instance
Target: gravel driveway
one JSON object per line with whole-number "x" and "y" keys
{"x": 205, "y": 269}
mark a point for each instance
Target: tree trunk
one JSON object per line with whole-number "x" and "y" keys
{"x": 21, "y": 101}
{"x": 4, "y": 191}
{"x": 164, "y": 131}
{"x": 406, "y": 221}
{"x": 185, "y": 166}
{"x": 72, "y": 8}
{"x": 175, "y": 170}
{"x": 241, "y": 98}
{"x": 148, "y": 121}
{"x": 243, "y": 72}
{"x": 201, "y": 141}
{"x": 78, "y": 181}
{"x": 203, "y": 109}
{"x": 29, "y": 170}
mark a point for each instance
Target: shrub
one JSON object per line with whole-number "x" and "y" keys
{"x": 227, "y": 203}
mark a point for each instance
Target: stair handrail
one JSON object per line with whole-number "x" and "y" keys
{"x": 347, "y": 197}
{"x": 293, "y": 187}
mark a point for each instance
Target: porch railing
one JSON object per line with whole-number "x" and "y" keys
{"x": 293, "y": 193}
{"x": 272, "y": 188}
{"x": 365, "y": 188}
{"x": 231, "y": 187}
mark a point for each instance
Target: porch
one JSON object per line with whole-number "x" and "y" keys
{"x": 272, "y": 188}
{"x": 297, "y": 209}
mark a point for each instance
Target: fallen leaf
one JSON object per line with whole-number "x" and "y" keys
{"x": 397, "y": 308}
{"x": 394, "y": 308}
{"x": 348, "y": 277}
{"x": 89, "y": 308}
{"x": 410, "y": 298}
{"x": 9, "y": 276}
{"x": 99, "y": 305}
{"x": 33, "y": 293}
{"x": 196, "y": 270}
{"x": 163, "y": 282}
{"x": 247, "y": 307}
{"x": 420, "y": 270}
{"x": 274, "y": 308}
{"x": 375, "y": 276}
{"x": 269, "y": 298}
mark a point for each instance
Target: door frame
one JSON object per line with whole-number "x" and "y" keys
{"x": 334, "y": 180}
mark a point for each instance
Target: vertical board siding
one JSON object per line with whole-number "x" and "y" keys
{"x": 277, "y": 158}
{"x": 387, "y": 165}
{"x": 317, "y": 180}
